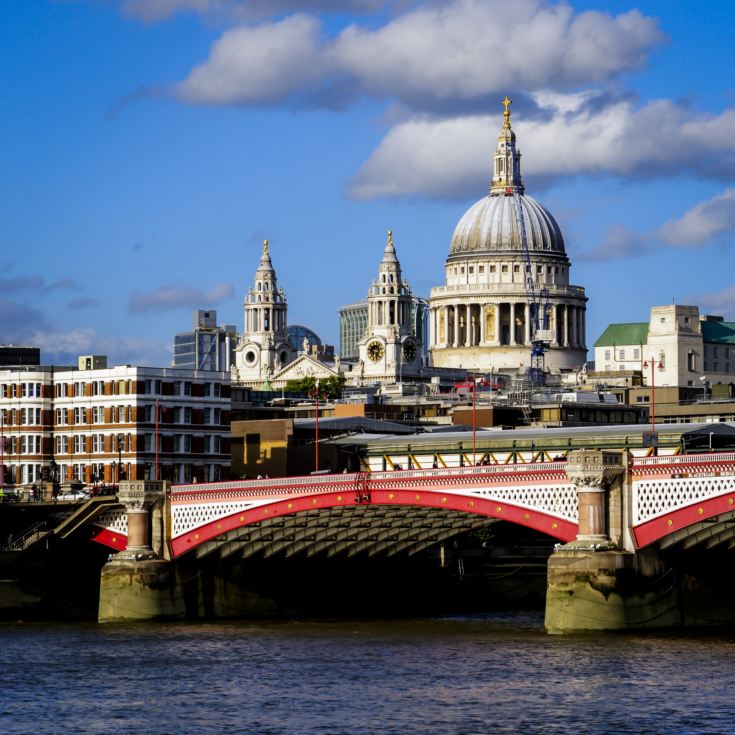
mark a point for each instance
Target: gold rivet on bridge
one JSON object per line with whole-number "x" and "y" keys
{"x": 444, "y": 500}
{"x": 700, "y": 511}
{"x": 669, "y": 522}
{"x": 554, "y": 525}
{"x": 196, "y": 536}
{"x": 498, "y": 509}
{"x": 472, "y": 503}
{"x": 526, "y": 516}
{"x": 114, "y": 539}
{"x": 418, "y": 497}
{"x": 265, "y": 511}
{"x": 391, "y": 496}
{"x": 219, "y": 525}
{"x": 731, "y": 501}
{"x": 339, "y": 498}
{"x": 313, "y": 502}
{"x": 242, "y": 518}
{"x": 290, "y": 505}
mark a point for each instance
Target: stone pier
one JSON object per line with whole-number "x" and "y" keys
{"x": 140, "y": 583}
{"x": 598, "y": 581}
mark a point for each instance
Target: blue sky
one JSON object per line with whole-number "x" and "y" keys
{"x": 150, "y": 145}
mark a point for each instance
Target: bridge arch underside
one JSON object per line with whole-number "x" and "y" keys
{"x": 715, "y": 532}
{"x": 379, "y": 526}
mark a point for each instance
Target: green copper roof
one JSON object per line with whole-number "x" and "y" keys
{"x": 624, "y": 334}
{"x": 719, "y": 332}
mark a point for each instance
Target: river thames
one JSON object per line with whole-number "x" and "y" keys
{"x": 462, "y": 676}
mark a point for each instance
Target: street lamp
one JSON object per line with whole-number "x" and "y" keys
{"x": 653, "y": 365}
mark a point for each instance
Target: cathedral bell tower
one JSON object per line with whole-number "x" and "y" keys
{"x": 390, "y": 351}
{"x": 264, "y": 348}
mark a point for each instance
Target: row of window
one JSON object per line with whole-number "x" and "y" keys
{"x": 125, "y": 387}
{"x": 21, "y": 390}
{"x": 460, "y": 270}
{"x": 106, "y": 443}
{"x": 21, "y": 417}
{"x": 124, "y": 415}
{"x": 23, "y": 444}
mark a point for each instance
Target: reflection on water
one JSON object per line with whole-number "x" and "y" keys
{"x": 490, "y": 674}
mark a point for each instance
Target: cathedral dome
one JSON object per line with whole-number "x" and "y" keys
{"x": 490, "y": 227}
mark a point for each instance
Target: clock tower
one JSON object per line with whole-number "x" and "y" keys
{"x": 264, "y": 348}
{"x": 389, "y": 350}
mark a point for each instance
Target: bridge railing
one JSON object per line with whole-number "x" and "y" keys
{"x": 302, "y": 483}
{"x": 684, "y": 459}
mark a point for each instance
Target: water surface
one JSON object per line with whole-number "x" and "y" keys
{"x": 489, "y": 674}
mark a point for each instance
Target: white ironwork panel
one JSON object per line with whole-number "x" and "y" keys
{"x": 653, "y": 498}
{"x": 556, "y": 500}
{"x": 114, "y": 520}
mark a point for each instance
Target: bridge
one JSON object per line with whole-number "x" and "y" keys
{"x": 672, "y": 499}
{"x": 613, "y": 515}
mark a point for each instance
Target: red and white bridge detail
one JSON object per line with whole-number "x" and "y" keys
{"x": 671, "y": 499}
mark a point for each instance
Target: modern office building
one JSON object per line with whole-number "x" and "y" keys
{"x": 99, "y": 425}
{"x": 19, "y": 355}
{"x": 207, "y": 346}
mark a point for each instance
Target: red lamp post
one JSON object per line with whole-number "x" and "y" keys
{"x": 316, "y": 430}
{"x": 474, "y": 418}
{"x": 653, "y": 365}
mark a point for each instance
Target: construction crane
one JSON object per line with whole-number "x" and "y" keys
{"x": 538, "y": 300}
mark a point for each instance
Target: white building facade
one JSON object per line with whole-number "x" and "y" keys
{"x": 684, "y": 347}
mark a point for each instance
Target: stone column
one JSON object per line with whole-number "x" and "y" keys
{"x": 138, "y": 497}
{"x": 527, "y": 326}
{"x": 497, "y": 323}
{"x": 512, "y": 335}
{"x": 592, "y": 471}
{"x": 566, "y": 325}
{"x": 136, "y": 584}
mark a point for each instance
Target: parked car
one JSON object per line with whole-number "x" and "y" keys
{"x": 73, "y": 495}
{"x": 8, "y": 495}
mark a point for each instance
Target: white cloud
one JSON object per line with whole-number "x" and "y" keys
{"x": 425, "y": 156}
{"x": 720, "y": 302}
{"x": 175, "y": 296}
{"x": 257, "y": 64}
{"x": 703, "y": 223}
{"x": 64, "y": 347}
{"x": 698, "y": 227}
{"x": 469, "y": 49}
{"x": 428, "y": 57}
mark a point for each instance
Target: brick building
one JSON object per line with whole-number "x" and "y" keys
{"x": 99, "y": 425}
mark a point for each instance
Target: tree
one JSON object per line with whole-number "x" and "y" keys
{"x": 328, "y": 387}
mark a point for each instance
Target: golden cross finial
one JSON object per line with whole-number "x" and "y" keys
{"x": 390, "y": 237}
{"x": 265, "y": 247}
{"x": 506, "y": 113}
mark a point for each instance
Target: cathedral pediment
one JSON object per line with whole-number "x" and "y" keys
{"x": 304, "y": 367}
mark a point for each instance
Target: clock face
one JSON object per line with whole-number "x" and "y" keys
{"x": 375, "y": 351}
{"x": 409, "y": 350}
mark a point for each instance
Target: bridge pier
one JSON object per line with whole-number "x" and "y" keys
{"x": 138, "y": 583}
{"x": 594, "y": 583}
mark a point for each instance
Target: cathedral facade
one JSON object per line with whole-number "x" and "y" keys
{"x": 483, "y": 317}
